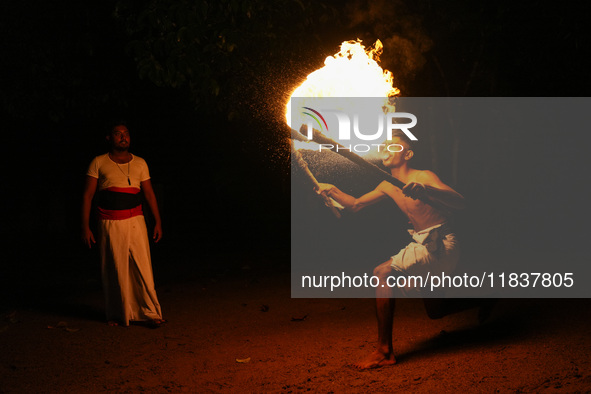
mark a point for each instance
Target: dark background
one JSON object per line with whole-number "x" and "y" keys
{"x": 203, "y": 85}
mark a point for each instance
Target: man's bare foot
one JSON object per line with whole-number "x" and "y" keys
{"x": 375, "y": 360}
{"x": 154, "y": 323}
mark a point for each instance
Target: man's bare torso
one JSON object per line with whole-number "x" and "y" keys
{"x": 420, "y": 214}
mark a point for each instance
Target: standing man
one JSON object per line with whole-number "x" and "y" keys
{"x": 434, "y": 248}
{"x": 117, "y": 178}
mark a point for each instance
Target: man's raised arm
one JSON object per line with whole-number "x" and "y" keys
{"x": 349, "y": 202}
{"x": 432, "y": 189}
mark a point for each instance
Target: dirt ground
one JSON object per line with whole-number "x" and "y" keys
{"x": 237, "y": 330}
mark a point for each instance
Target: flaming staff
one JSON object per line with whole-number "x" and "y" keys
{"x": 320, "y": 138}
{"x": 353, "y": 72}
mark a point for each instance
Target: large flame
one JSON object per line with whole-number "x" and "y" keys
{"x": 353, "y": 72}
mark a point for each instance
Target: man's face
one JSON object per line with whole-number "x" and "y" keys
{"x": 119, "y": 138}
{"x": 396, "y": 153}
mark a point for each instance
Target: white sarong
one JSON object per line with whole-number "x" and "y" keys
{"x": 434, "y": 250}
{"x": 128, "y": 281}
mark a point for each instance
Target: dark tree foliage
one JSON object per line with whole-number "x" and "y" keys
{"x": 60, "y": 59}
{"x": 71, "y": 58}
{"x": 218, "y": 48}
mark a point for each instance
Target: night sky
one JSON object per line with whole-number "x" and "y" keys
{"x": 203, "y": 89}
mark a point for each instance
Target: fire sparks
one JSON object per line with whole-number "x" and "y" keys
{"x": 353, "y": 72}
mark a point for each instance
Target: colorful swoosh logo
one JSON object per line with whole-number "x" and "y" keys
{"x": 315, "y": 116}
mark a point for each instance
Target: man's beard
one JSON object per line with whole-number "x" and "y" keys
{"x": 121, "y": 149}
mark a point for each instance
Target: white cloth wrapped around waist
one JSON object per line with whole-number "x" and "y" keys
{"x": 434, "y": 249}
{"x": 431, "y": 237}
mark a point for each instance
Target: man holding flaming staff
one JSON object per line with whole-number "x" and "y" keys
{"x": 429, "y": 204}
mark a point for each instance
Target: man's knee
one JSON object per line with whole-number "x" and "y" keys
{"x": 383, "y": 270}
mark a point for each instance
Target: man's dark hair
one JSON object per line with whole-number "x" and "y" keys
{"x": 400, "y": 134}
{"x": 110, "y": 125}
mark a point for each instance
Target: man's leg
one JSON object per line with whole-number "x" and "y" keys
{"x": 437, "y": 308}
{"x": 385, "y": 303}
{"x": 143, "y": 299}
{"x": 115, "y": 273}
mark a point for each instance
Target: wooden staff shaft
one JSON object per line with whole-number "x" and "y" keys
{"x": 320, "y": 138}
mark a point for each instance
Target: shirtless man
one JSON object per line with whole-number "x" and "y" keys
{"x": 428, "y": 203}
